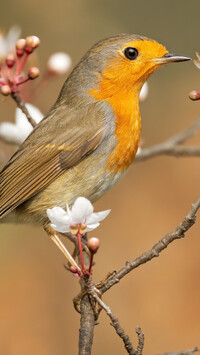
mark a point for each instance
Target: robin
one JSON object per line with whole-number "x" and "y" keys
{"x": 89, "y": 138}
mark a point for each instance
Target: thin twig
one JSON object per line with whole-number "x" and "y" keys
{"x": 178, "y": 233}
{"x": 172, "y": 146}
{"x": 21, "y": 104}
{"x": 140, "y": 341}
{"x": 115, "y": 323}
{"x": 183, "y": 352}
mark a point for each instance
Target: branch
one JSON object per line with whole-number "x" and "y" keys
{"x": 178, "y": 233}
{"x": 20, "y": 103}
{"x": 171, "y": 146}
{"x": 86, "y": 331}
{"x": 183, "y": 352}
{"x": 115, "y": 323}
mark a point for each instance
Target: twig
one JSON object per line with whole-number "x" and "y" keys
{"x": 20, "y": 103}
{"x": 140, "y": 341}
{"x": 178, "y": 233}
{"x": 115, "y": 323}
{"x": 183, "y": 352}
{"x": 171, "y": 146}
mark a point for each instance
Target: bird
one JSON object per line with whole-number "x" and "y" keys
{"x": 90, "y": 136}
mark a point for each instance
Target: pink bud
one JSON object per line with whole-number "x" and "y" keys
{"x": 5, "y": 90}
{"x": 93, "y": 245}
{"x": 194, "y": 95}
{"x": 19, "y": 52}
{"x": 32, "y": 41}
{"x": 33, "y": 73}
{"x": 73, "y": 268}
{"x": 10, "y": 60}
{"x": 20, "y": 44}
{"x": 75, "y": 271}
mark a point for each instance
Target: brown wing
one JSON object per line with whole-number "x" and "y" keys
{"x": 42, "y": 158}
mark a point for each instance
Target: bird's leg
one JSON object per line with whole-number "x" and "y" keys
{"x": 90, "y": 289}
{"x": 52, "y": 234}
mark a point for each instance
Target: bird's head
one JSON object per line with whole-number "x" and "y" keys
{"x": 116, "y": 64}
{"x": 125, "y": 62}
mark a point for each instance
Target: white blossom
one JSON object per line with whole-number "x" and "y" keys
{"x": 144, "y": 92}
{"x": 17, "y": 132}
{"x": 7, "y": 42}
{"x": 59, "y": 63}
{"x": 80, "y": 213}
{"x": 139, "y": 150}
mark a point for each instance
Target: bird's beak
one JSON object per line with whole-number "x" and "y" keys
{"x": 171, "y": 58}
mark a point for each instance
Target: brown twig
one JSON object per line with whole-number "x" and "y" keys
{"x": 140, "y": 341}
{"x": 114, "y": 321}
{"x": 20, "y": 103}
{"x": 183, "y": 352}
{"x": 178, "y": 233}
{"x": 172, "y": 146}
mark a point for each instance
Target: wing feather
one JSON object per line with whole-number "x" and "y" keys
{"x": 39, "y": 161}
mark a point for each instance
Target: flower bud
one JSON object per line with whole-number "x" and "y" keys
{"x": 74, "y": 270}
{"x": 33, "y": 73}
{"x": 59, "y": 63}
{"x": 93, "y": 245}
{"x": 5, "y": 90}
{"x": 10, "y": 60}
{"x": 194, "y": 95}
{"x": 32, "y": 41}
{"x": 20, "y": 44}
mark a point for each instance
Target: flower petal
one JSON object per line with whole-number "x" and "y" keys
{"x": 81, "y": 210}
{"x": 92, "y": 226}
{"x": 59, "y": 217}
{"x": 10, "y": 133}
{"x": 61, "y": 228}
{"x": 97, "y": 217}
{"x": 24, "y": 126}
{"x": 144, "y": 92}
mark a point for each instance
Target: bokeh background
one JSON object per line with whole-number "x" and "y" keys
{"x": 36, "y": 292}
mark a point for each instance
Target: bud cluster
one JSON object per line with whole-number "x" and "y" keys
{"x": 11, "y": 72}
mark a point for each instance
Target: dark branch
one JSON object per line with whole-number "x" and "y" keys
{"x": 178, "y": 233}
{"x": 20, "y": 103}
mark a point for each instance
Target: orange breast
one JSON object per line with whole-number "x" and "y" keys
{"x": 128, "y": 127}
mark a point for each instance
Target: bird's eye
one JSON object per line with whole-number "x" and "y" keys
{"x": 131, "y": 53}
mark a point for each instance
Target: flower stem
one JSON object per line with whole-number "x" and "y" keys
{"x": 18, "y": 64}
{"x": 23, "y": 81}
{"x": 23, "y": 63}
{"x": 79, "y": 236}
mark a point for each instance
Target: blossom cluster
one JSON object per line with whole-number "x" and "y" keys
{"x": 11, "y": 71}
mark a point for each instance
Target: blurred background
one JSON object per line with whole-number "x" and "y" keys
{"x": 36, "y": 292}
